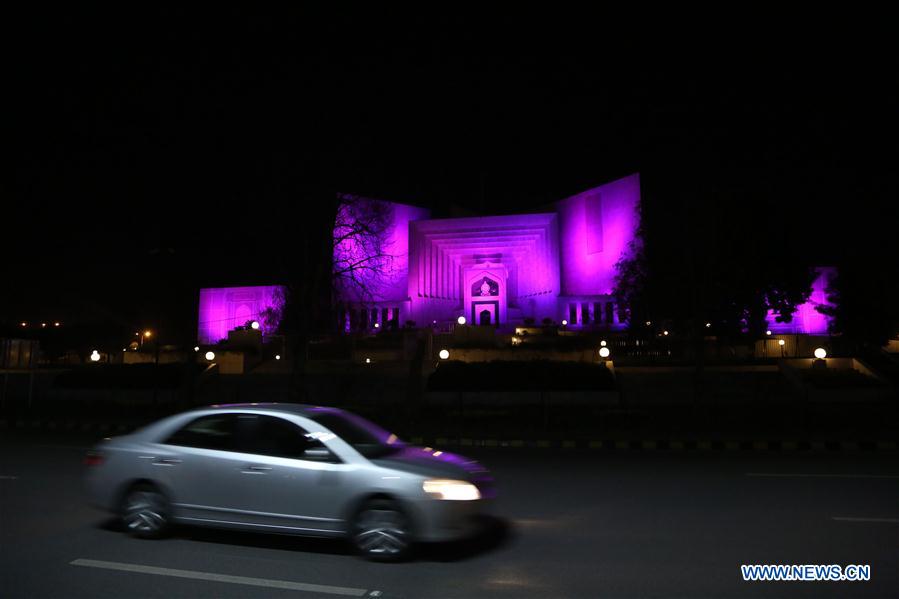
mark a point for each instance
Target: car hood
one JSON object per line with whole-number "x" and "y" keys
{"x": 427, "y": 462}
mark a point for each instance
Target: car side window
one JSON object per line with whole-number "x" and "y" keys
{"x": 216, "y": 431}
{"x": 277, "y": 437}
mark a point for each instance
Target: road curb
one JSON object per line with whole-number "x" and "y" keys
{"x": 69, "y": 426}
{"x": 669, "y": 445}
{"x": 612, "y": 445}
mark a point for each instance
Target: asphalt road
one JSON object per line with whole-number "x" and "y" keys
{"x": 568, "y": 525}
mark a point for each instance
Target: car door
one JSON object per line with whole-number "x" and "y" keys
{"x": 200, "y": 464}
{"x": 297, "y": 482}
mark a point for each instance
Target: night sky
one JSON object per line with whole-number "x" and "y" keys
{"x": 156, "y": 152}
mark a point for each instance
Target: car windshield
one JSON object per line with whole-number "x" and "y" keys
{"x": 367, "y": 438}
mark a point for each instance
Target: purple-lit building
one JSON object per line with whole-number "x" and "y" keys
{"x": 223, "y": 309}
{"x": 499, "y": 270}
{"x": 807, "y": 320}
{"x": 393, "y": 264}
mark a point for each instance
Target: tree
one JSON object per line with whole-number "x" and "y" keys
{"x": 362, "y": 261}
{"x": 342, "y": 252}
{"x": 697, "y": 259}
{"x": 862, "y": 298}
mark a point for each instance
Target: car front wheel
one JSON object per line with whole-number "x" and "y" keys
{"x": 381, "y": 531}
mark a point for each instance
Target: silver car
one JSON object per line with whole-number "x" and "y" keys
{"x": 287, "y": 468}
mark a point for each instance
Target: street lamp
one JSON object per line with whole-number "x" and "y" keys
{"x": 603, "y": 352}
{"x": 768, "y": 333}
{"x": 564, "y": 323}
{"x": 781, "y": 343}
{"x": 820, "y": 353}
{"x": 95, "y": 356}
{"x": 444, "y": 354}
{"x": 461, "y": 320}
{"x": 602, "y": 343}
{"x": 254, "y": 325}
{"x": 210, "y": 356}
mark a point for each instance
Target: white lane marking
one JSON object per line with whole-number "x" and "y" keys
{"x": 804, "y": 475}
{"x": 878, "y": 520}
{"x": 9, "y": 477}
{"x": 193, "y": 574}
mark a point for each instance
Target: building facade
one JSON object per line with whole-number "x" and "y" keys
{"x": 394, "y": 265}
{"x": 497, "y": 270}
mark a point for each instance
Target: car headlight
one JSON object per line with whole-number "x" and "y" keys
{"x": 458, "y": 490}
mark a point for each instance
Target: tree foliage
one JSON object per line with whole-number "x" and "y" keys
{"x": 362, "y": 260}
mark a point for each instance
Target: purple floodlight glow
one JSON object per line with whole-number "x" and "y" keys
{"x": 807, "y": 319}
{"x": 223, "y": 309}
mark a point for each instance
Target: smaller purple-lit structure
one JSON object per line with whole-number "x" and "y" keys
{"x": 807, "y": 320}
{"x": 223, "y": 309}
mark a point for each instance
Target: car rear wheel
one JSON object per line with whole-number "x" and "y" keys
{"x": 145, "y": 512}
{"x": 382, "y": 531}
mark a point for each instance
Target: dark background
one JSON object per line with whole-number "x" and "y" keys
{"x": 153, "y": 152}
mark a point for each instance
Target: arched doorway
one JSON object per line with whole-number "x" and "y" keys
{"x": 484, "y": 318}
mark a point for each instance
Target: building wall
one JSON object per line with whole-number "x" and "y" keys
{"x": 595, "y": 228}
{"x": 225, "y": 308}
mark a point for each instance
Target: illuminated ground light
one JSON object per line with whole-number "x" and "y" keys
{"x": 649, "y": 323}
{"x": 368, "y": 360}
{"x": 196, "y": 348}
{"x": 444, "y": 354}
{"x": 24, "y": 324}
{"x": 254, "y": 325}
{"x": 278, "y": 357}
{"x": 43, "y": 325}
{"x": 781, "y": 342}
{"x": 564, "y": 323}
{"x": 377, "y": 325}
{"x": 768, "y": 333}
{"x": 820, "y": 353}
{"x": 95, "y": 356}
{"x": 665, "y": 333}
{"x": 461, "y": 320}
{"x": 210, "y": 356}
{"x": 603, "y": 352}
{"x": 56, "y": 324}
{"x": 708, "y": 325}
{"x": 602, "y": 343}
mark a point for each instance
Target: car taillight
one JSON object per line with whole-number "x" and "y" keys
{"x": 93, "y": 458}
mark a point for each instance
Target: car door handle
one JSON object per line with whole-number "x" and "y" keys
{"x": 166, "y": 462}
{"x": 255, "y": 469}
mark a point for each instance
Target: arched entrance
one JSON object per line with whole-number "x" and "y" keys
{"x": 484, "y": 318}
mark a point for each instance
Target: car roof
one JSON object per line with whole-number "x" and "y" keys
{"x": 287, "y": 408}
